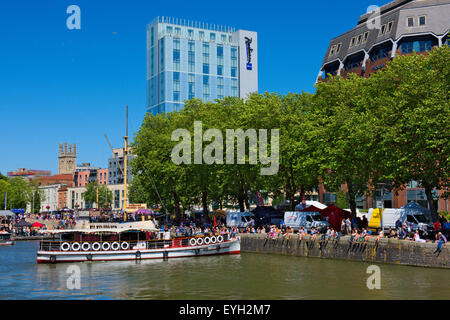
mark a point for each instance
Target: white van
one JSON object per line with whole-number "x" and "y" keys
{"x": 239, "y": 219}
{"x": 307, "y": 220}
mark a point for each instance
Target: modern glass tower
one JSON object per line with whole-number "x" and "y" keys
{"x": 187, "y": 59}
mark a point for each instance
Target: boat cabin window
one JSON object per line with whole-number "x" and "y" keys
{"x": 309, "y": 219}
{"x": 4, "y": 236}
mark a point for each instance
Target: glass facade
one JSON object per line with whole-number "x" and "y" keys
{"x": 187, "y": 60}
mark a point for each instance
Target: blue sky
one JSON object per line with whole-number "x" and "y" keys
{"x": 60, "y": 85}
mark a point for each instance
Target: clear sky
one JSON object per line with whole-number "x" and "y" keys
{"x": 60, "y": 85}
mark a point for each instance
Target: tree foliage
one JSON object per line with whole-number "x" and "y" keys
{"x": 352, "y": 134}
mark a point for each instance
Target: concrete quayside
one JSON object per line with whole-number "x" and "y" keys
{"x": 385, "y": 250}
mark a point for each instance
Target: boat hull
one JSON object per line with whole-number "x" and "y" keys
{"x": 7, "y": 243}
{"x": 229, "y": 247}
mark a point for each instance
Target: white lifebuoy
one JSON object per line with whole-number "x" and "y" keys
{"x": 85, "y": 246}
{"x": 124, "y": 246}
{"x": 213, "y": 239}
{"x": 207, "y": 240}
{"x": 75, "y": 246}
{"x": 192, "y": 242}
{"x": 96, "y": 246}
{"x": 115, "y": 246}
{"x": 199, "y": 241}
{"x": 106, "y": 246}
{"x": 219, "y": 238}
{"x": 65, "y": 246}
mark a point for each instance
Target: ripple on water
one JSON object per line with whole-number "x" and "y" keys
{"x": 245, "y": 276}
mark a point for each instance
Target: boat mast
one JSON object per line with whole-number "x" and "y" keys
{"x": 125, "y": 167}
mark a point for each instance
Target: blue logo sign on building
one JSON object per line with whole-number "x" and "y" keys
{"x": 248, "y": 42}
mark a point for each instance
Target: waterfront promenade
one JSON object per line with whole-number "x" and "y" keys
{"x": 385, "y": 250}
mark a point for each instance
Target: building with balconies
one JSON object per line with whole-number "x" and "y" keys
{"x": 400, "y": 27}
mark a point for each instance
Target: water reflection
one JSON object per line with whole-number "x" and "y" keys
{"x": 245, "y": 276}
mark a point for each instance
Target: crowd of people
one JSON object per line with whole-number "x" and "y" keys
{"x": 356, "y": 228}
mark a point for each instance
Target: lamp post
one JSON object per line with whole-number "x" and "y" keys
{"x": 32, "y": 205}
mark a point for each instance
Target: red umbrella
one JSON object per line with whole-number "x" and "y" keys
{"x": 37, "y": 225}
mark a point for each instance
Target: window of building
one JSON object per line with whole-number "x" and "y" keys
{"x": 382, "y": 30}
{"x": 176, "y": 54}
{"x": 234, "y": 87}
{"x": 219, "y": 70}
{"x": 352, "y": 42}
{"x": 191, "y": 85}
{"x": 223, "y": 38}
{"x": 212, "y": 36}
{"x": 338, "y": 48}
{"x": 366, "y": 36}
{"x": 380, "y": 52}
{"x": 161, "y": 87}
{"x": 230, "y": 38}
{"x": 233, "y": 52}
{"x": 206, "y": 88}
{"x": 389, "y": 26}
{"x": 359, "y": 39}
{"x": 191, "y": 56}
{"x": 422, "y": 20}
{"x": 220, "y": 91}
{"x": 178, "y": 31}
{"x": 201, "y": 35}
{"x": 169, "y": 30}
{"x": 410, "y": 21}
{"x": 329, "y": 198}
{"x": 409, "y": 46}
{"x": 176, "y": 86}
{"x": 190, "y": 33}
{"x": 205, "y": 68}
{"x": 219, "y": 51}
{"x": 333, "y": 49}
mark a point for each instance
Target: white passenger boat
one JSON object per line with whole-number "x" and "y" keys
{"x": 128, "y": 241}
{"x": 5, "y": 239}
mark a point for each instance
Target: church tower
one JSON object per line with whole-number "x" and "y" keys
{"x": 67, "y": 159}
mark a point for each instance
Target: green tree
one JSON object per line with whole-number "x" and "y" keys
{"x": 410, "y": 99}
{"x": 341, "y": 199}
{"x": 18, "y": 193}
{"x": 346, "y": 144}
{"x": 93, "y": 189}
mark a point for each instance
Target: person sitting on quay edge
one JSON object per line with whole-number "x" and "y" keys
{"x": 398, "y": 224}
{"x": 442, "y": 241}
{"x": 301, "y": 233}
{"x": 417, "y": 237}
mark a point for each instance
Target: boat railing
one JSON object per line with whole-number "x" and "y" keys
{"x": 70, "y": 246}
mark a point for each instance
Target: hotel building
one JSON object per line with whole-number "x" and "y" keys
{"x": 187, "y": 59}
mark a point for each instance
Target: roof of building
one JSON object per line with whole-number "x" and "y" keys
{"x": 390, "y": 12}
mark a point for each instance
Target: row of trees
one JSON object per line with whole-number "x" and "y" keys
{"x": 17, "y": 193}
{"x": 390, "y": 128}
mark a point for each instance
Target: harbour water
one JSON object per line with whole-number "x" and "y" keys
{"x": 244, "y": 276}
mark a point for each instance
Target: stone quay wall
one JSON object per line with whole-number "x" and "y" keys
{"x": 386, "y": 250}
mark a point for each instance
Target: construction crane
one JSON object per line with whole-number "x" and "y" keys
{"x": 114, "y": 155}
